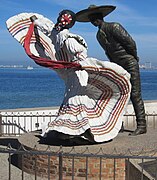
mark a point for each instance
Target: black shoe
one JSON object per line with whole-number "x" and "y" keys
{"x": 138, "y": 131}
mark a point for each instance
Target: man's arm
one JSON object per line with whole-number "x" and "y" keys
{"x": 124, "y": 38}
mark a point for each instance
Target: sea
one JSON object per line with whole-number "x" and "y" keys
{"x": 42, "y": 87}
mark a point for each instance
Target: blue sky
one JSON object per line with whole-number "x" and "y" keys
{"x": 138, "y": 17}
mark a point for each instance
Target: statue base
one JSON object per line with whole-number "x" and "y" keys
{"x": 46, "y": 158}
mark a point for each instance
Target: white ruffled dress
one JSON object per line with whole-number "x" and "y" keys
{"x": 96, "y": 95}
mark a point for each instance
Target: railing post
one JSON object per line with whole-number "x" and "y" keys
{"x": 60, "y": 166}
{"x": 1, "y": 133}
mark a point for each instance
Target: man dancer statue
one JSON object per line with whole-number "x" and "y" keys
{"x": 120, "y": 48}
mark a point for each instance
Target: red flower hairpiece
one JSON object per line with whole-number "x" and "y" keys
{"x": 66, "y": 19}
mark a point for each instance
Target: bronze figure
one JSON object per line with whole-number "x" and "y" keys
{"x": 120, "y": 48}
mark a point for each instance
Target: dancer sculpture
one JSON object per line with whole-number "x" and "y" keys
{"x": 96, "y": 92}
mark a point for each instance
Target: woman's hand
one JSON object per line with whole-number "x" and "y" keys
{"x": 33, "y": 18}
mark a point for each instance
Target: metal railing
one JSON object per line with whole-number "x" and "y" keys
{"x": 13, "y": 124}
{"x": 130, "y": 120}
{"x": 136, "y": 167}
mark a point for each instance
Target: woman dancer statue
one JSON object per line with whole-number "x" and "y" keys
{"x": 97, "y": 92}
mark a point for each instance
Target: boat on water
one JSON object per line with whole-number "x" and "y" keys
{"x": 29, "y": 67}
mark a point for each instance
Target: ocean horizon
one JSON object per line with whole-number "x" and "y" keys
{"x": 42, "y": 87}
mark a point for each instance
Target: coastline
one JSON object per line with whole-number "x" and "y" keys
{"x": 43, "y": 89}
{"x": 150, "y": 107}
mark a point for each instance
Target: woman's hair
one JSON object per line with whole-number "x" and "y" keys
{"x": 65, "y": 20}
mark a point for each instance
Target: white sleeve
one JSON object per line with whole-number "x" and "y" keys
{"x": 75, "y": 48}
{"x": 45, "y": 27}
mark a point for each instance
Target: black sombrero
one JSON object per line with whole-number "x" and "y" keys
{"x": 83, "y": 15}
